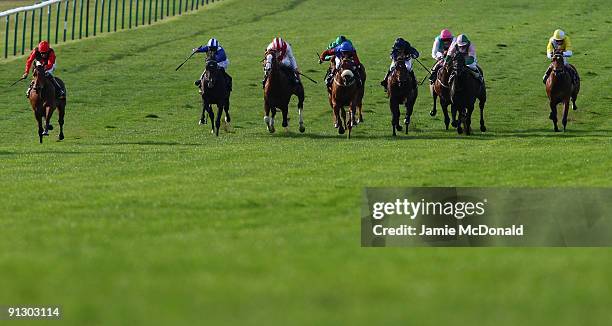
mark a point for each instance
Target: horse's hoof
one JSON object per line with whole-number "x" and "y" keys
{"x": 574, "y": 107}
{"x": 459, "y": 130}
{"x": 212, "y": 131}
{"x": 406, "y": 129}
{"x": 399, "y": 127}
{"x": 483, "y": 128}
{"x": 50, "y": 127}
{"x": 341, "y": 131}
{"x": 302, "y": 129}
{"x": 61, "y": 137}
{"x": 432, "y": 113}
{"x": 202, "y": 122}
{"x": 336, "y": 125}
{"x": 271, "y": 129}
{"x": 454, "y": 124}
{"x": 45, "y": 133}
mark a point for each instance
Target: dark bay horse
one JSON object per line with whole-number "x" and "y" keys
{"x": 43, "y": 99}
{"x": 401, "y": 90}
{"x": 278, "y": 90}
{"x": 464, "y": 90}
{"x": 345, "y": 91}
{"x": 561, "y": 88}
{"x": 440, "y": 89}
{"x": 214, "y": 90}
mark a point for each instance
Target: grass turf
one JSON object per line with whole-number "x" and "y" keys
{"x": 143, "y": 220}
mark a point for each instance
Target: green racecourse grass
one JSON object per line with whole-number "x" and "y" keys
{"x": 136, "y": 220}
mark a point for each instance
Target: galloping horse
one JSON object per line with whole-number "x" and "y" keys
{"x": 464, "y": 90}
{"x": 560, "y": 89}
{"x": 214, "y": 90}
{"x": 278, "y": 90}
{"x": 441, "y": 89}
{"x": 402, "y": 90}
{"x": 345, "y": 91}
{"x": 43, "y": 99}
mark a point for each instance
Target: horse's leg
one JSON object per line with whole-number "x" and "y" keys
{"x": 468, "y": 119}
{"x": 457, "y": 110}
{"x": 481, "y": 105}
{"x": 228, "y": 119}
{"x": 301, "y": 96}
{"x": 350, "y": 118}
{"x": 285, "y": 112}
{"x": 273, "y": 110}
{"x": 61, "y": 110}
{"x": 409, "y": 108}
{"x": 454, "y": 121}
{"x": 394, "y": 108}
{"x": 203, "y": 117}
{"x": 47, "y": 113}
{"x": 338, "y": 118}
{"x": 267, "y": 114}
{"x": 446, "y": 117}
{"x": 211, "y": 115}
{"x": 218, "y": 121}
{"x": 38, "y": 114}
{"x": 565, "y": 112}
{"x": 434, "y": 95}
{"x": 553, "y": 114}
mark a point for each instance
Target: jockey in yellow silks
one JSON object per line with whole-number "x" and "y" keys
{"x": 558, "y": 42}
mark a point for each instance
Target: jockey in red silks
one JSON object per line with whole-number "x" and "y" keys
{"x": 286, "y": 58}
{"x": 45, "y": 55}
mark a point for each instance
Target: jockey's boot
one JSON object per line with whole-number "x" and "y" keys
{"x": 385, "y": 81}
{"x": 59, "y": 90}
{"x": 546, "y": 74}
{"x": 263, "y": 81}
{"x": 433, "y": 75}
{"x": 329, "y": 78}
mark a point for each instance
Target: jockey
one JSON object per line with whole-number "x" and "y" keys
{"x": 46, "y": 56}
{"x": 558, "y": 42}
{"x": 401, "y": 48}
{"x": 463, "y": 45}
{"x": 217, "y": 53}
{"x": 339, "y": 40}
{"x": 344, "y": 50}
{"x": 286, "y": 58}
{"x": 440, "y": 47}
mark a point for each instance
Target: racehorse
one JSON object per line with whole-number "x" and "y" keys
{"x": 560, "y": 88}
{"x": 464, "y": 90}
{"x": 358, "y": 119}
{"x": 401, "y": 90}
{"x": 44, "y": 100}
{"x": 278, "y": 90}
{"x": 214, "y": 90}
{"x": 440, "y": 89}
{"x": 345, "y": 91}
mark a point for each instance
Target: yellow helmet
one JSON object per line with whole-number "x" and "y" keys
{"x": 559, "y": 35}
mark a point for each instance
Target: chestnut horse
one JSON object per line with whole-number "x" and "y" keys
{"x": 214, "y": 90}
{"x": 464, "y": 90}
{"x": 440, "y": 89}
{"x": 401, "y": 90}
{"x": 43, "y": 99}
{"x": 278, "y": 90}
{"x": 560, "y": 88}
{"x": 358, "y": 119}
{"x": 345, "y": 91}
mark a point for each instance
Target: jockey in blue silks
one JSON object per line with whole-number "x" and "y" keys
{"x": 217, "y": 53}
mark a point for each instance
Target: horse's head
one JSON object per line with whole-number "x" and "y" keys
{"x": 347, "y": 76}
{"x": 458, "y": 63}
{"x": 39, "y": 76}
{"x": 210, "y": 74}
{"x": 401, "y": 71}
{"x": 558, "y": 62}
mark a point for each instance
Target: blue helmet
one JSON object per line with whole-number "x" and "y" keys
{"x": 213, "y": 43}
{"x": 346, "y": 47}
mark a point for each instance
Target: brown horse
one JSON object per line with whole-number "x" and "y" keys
{"x": 43, "y": 99}
{"x": 440, "y": 89}
{"x": 278, "y": 90}
{"x": 214, "y": 90}
{"x": 401, "y": 90}
{"x": 465, "y": 88}
{"x": 358, "y": 119}
{"x": 345, "y": 91}
{"x": 560, "y": 88}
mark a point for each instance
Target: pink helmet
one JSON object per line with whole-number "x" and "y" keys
{"x": 445, "y": 34}
{"x": 279, "y": 44}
